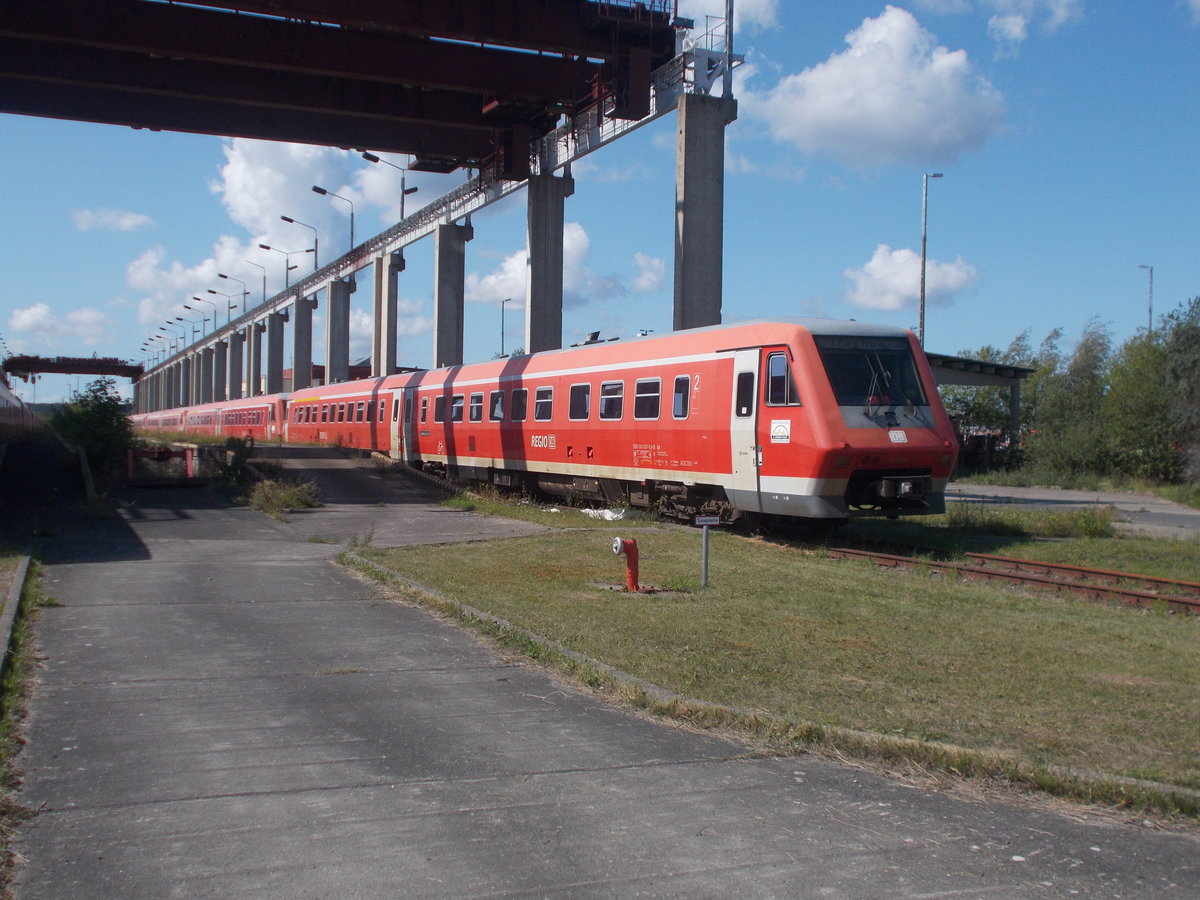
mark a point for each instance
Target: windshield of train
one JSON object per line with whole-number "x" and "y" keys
{"x": 871, "y": 371}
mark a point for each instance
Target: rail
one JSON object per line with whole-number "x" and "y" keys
{"x": 1144, "y": 591}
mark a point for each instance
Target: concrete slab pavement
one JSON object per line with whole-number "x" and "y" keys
{"x": 222, "y": 712}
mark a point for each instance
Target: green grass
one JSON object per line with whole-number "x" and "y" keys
{"x": 1031, "y": 683}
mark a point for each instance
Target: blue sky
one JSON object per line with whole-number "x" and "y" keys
{"x": 1066, "y": 130}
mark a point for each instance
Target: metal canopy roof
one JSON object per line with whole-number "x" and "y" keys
{"x": 455, "y": 83}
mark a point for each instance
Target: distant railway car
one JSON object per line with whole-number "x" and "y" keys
{"x": 16, "y": 418}
{"x": 258, "y": 418}
{"x": 806, "y": 419}
{"x": 349, "y": 414}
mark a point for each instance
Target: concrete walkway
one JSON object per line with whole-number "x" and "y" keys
{"x": 222, "y": 712}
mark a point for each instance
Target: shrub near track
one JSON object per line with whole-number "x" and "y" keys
{"x": 1028, "y": 682}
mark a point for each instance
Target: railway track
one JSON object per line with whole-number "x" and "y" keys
{"x": 1093, "y": 584}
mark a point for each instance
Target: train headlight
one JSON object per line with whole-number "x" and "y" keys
{"x": 945, "y": 460}
{"x": 841, "y": 460}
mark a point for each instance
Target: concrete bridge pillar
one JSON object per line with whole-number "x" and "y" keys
{"x": 302, "y": 342}
{"x": 449, "y": 288}
{"x": 237, "y": 368}
{"x": 275, "y": 323}
{"x": 387, "y": 289}
{"x": 254, "y": 332}
{"x": 197, "y": 377}
{"x": 544, "y": 282}
{"x": 220, "y": 370}
{"x": 205, "y": 358}
{"x": 337, "y": 330}
{"x": 185, "y": 382}
{"x": 700, "y": 207}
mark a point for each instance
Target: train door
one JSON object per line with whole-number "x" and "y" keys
{"x": 403, "y": 425}
{"x": 745, "y": 447}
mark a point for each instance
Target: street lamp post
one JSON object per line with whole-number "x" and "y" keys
{"x": 210, "y": 303}
{"x": 290, "y": 220}
{"x": 264, "y": 277}
{"x": 325, "y": 193}
{"x": 245, "y": 293}
{"x": 502, "y": 302}
{"x": 924, "y": 210}
{"x": 1150, "y": 306}
{"x": 229, "y": 305}
{"x": 287, "y": 261}
{"x": 194, "y": 322}
{"x": 404, "y": 190}
{"x": 176, "y": 339}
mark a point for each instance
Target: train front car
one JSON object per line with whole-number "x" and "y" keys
{"x": 880, "y": 443}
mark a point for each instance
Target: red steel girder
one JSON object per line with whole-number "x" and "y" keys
{"x": 466, "y": 147}
{"x": 592, "y": 29}
{"x": 249, "y": 42}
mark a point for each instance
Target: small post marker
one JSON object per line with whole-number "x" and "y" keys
{"x": 704, "y": 522}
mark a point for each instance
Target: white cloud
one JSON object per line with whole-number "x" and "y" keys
{"x": 893, "y": 97}
{"x": 652, "y": 273}
{"x": 86, "y": 325}
{"x": 581, "y": 285}
{"x": 891, "y": 280}
{"x": 1194, "y": 5}
{"x": 1009, "y": 32}
{"x": 108, "y": 220}
{"x": 754, "y": 14}
{"x": 1010, "y": 20}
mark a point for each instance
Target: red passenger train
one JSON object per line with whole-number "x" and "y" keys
{"x": 16, "y": 418}
{"x": 809, "y": 419}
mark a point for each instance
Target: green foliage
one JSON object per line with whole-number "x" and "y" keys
{"x": 1069, "y": 432}
{"x": 97, "y": 420}
{"x": 1144, "y": 433}
{"x": 1181, "y": 349}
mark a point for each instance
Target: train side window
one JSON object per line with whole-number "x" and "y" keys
{"x": 456, "y": 408}
{"x": 341, "y": 412}
{"x": 396, "y": 409}
{"x": 520, "y": 404}
{"x": 383, "y": 410}
{"x": 476, "y": 411}
{"x": 496, "y": 406}
{"x": 581, "y": 402}
{"x": 424, "y": 409}
{"x": 781, "y": 384}
{"x": 681, "y": 401}
{"x": 744, "y": 404}
{"x": 439, "y": 409}
{"x": 646, "y": 394}
{"x": 543, "y": 404}
{"x": 360, "y": 411}
{"x": 371, "y": 411}
{"x": 612, "y": 399}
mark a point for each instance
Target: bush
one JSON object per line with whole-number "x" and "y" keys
{"x": 97, "y": 420}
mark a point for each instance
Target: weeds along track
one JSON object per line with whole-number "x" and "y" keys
{"x": 1147, "y": 591}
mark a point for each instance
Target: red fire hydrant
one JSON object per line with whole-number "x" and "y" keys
{"x": 629, "y": 548}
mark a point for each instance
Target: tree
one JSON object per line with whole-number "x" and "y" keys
{"x": 1181, "y": 348}
{"x": 1069, "y": 435}
{"x": 97, "y": 421}
{"x": 1145, "y": 437}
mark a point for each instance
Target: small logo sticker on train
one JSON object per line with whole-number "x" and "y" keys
{"x": 898, "y": 437}
{"x": 781, "y": 431}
